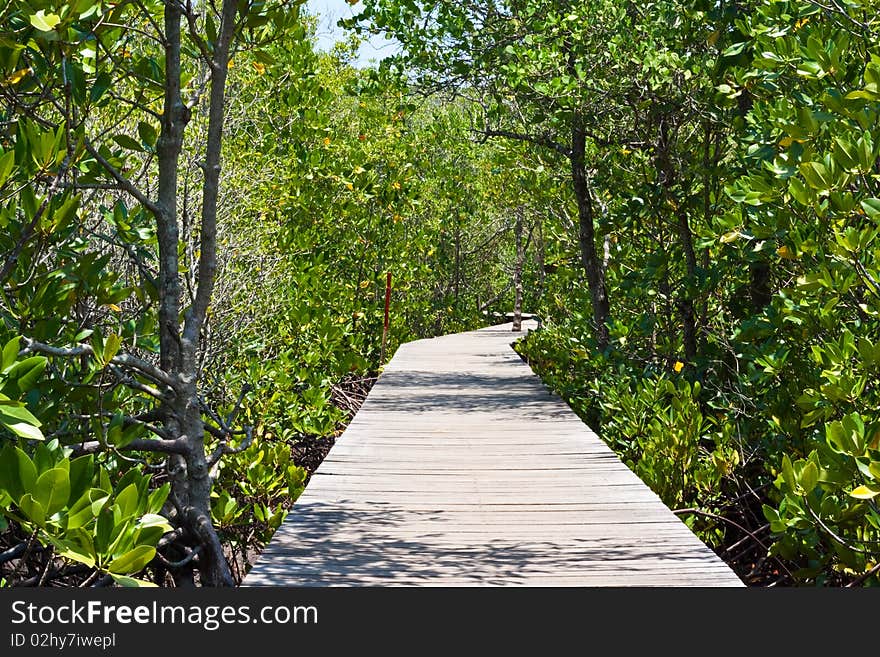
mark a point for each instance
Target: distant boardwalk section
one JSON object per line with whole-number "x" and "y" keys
{"x": 461, "y": 469}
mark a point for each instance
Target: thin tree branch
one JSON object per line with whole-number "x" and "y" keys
{"x": 540, "y": 140}
{"x": 193, "y": 553}
{"x": 197, "y": 313}
{"x": 28, "y": 232}
{"x": 124, "y": 182}
{"x": 864, "y": 576}
{"x": 124, "y": 360}
{"x": 715, "y": 516}
{"x": 224, "y": 448}
{"x": 175, "y": 446}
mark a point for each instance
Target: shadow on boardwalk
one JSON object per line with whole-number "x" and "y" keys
{"x": 424, "y": 392}
{"x": 360, "y": 549}
{"x": 461, "y": 468}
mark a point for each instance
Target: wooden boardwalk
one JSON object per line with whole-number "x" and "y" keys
{"x": 462, "y": 469}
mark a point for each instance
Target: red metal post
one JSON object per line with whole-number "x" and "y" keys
{"x": 387, "y": 309}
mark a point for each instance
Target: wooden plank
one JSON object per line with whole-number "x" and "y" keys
{"x": 462, "y": 469}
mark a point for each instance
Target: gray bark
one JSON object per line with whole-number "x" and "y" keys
{"x": 191, "y": 484}
{"x": 587, "y": 234}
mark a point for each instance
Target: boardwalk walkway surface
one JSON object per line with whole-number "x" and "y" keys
{"x": 462, "y": 469}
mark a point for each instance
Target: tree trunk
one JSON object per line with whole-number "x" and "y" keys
{"x": 175, "y": 116}
{"x": 541, "y": 258}
{"x": 760, "y": 292}
{"x": 686, "y": 302}
{"x": 587, "y": 235}
{"x": 518, "y": 270}
{"x": 191, "y": 481}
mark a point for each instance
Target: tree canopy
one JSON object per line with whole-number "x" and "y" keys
{"x": 199, "y": 211}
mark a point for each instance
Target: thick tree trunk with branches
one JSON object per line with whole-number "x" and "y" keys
{"x": 180, "y": 420}
{"x": 587, "y": 234}
{"x": 191, "y": 490}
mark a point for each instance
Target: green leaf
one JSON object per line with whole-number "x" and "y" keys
{"x": 25, "y": 469}
{"x": 23, "y": 430}
{"x": 153, "y": 520}
{"x": 846, "y": 154}
{"x": 816, "y": 175}
{"x": 98, "y": 347}
{"x": 52, "y": 490}
{"x": 126, "y": 502}
{"x": 132, "y": 561}
{"x": 45, "y": 22}
{"x": 861, "y": 95}
{"x": 732, "y": 236}
{"x": 102, "y": 83}
{"x": 26, "y": 372}
{"x": 871, "y": 206}
{"x": 44, "y": 457}
{"x": 32, "y": 509}
{"x": 66, "y": 212}
{"x": 20, "y": 422}
{"x": 10, "y": 354}
{"x": 10, "y": 480}
{"x": 7, "y": 161}
{"x": 82, "y": 472}
{"x": 799, "y": 191}
{"x": 128, "y": 143}
{"x": 131, "y": 582}
{"x": 147, "y": 133}
{"x": 76, "y": 545}
{"x": 156, "y": 499}
{"x": 79, "y": 514}
{"x": 17, "y": 411}
{"x": 788, "y": 473}
{"x": 809, "y": 477}
{"x": 838, "y": 438}
{"x": 104, "y": 481}
{"x": 104, "y": 526}
{"x": 772, "y": 515}
{"x": 735, "y": 49}
{"x": 865, "y": 147}
{"x": 809, "y": 69}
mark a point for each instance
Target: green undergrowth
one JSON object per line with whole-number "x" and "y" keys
{"x": 775, "y": 518}
{"x": 668, "y": 429}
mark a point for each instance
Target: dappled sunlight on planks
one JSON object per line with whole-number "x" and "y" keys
{"x": 461, "y": 469}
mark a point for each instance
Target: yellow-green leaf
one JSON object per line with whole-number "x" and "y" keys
{"x": 865, "y": 492}
{"x": 17, "y": 77}
{"x": 131, "y": 582}
{"x": 111, "y": 346}
{"x": 45, "y": 22}
{"x": 32, "y": 509}
{"x": 133, "y": 560}
{"x": 733, "y": 235}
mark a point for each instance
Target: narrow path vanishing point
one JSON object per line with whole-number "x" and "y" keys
{"x": 461, "y": 468}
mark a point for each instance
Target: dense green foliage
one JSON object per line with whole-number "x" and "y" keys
{"x": 687, "y": 192}
{"x": 254, "y": 297}
{"x": 722, "y": 159}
